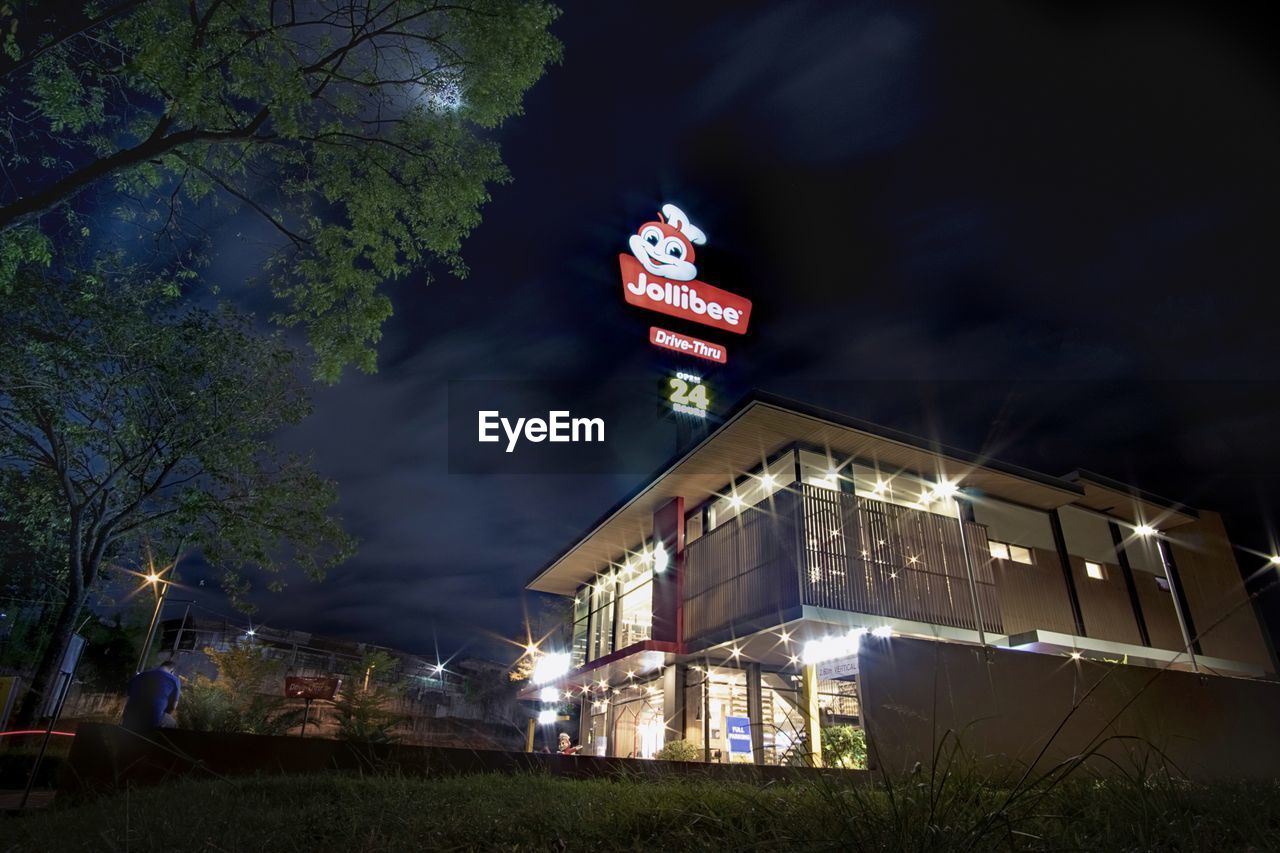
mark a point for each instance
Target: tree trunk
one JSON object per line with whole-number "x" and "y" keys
{"x": 47, "y": 670}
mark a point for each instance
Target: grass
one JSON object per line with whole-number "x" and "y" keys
{"x": 387, "y": 813}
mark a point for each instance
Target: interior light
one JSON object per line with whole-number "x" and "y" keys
{"x": 735, "y": 501}
{"x": 829, "y": 648}
{"x": 879, "y": 487}
{"x": 547, "y": 716}
{"x": 735, "y": 651}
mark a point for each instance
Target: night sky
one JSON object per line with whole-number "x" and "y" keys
{"x": 1038, "y": 231}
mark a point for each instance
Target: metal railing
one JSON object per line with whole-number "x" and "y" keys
{"x": 814, "y": 546}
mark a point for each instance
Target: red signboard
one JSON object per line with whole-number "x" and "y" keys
{"x": 687, "y": 345}
{"x": 310, "y": 687}
{"x": 691, "y": 300}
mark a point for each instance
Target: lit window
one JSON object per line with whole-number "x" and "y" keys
{"x": 999, "y": 550}
{"x": 1020, "y": 555}
{"x": 1093, "y": 570}
{"x": 1163, "y": 583}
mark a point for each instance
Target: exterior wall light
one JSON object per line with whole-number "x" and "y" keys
{"x": 660, "y": 559}
{"x": 549, "y": 694}
{"x": 550, "y": 667}
{"x": 547, "y": 716}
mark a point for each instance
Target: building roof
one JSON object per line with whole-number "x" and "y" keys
{"x": 759, "y": 426}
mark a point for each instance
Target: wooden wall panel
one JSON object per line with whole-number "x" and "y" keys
{"x": 1158, "y": 612}
{"x": 1105, "y": 605}
{"x": 1215, "y": 592}
{"x": 1033, "y": 596}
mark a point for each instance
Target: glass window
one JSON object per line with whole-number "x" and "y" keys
{"x": 1094, "y": 570}
{"x": 758, "y": 485}
{"x": 1014, "y": 524}
{"x": 581, "y": 608}
{"x": 900, "y": 488}
{"x": 1020, "y": 555}
{"x": 999, "y": 550}
{"x": 1088, "y": 535}
{"x": 636, "y": 609}
{"x": 602, "y": 617}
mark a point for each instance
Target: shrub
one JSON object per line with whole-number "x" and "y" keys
{"x": 234, "y": 702}
{"x": 844, "y": 747}
{"x": 679, "y": 750}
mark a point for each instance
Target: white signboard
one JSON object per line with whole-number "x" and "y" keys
{"x": 838, "y": 668}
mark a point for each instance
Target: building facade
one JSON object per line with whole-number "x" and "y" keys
{"x": 723, "y": 603}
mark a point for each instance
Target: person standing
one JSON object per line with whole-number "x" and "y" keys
{"x": 153, "y": 696}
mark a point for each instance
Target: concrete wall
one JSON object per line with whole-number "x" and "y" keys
{"x": 1007, "y": 704}
{"x": 106, "y": 758}
{"x": 1223, "y": 616}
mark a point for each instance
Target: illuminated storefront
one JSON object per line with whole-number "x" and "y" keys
{"x": 723, "y": 603}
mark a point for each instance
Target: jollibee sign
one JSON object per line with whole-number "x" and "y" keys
{"x": 660, "y": 275}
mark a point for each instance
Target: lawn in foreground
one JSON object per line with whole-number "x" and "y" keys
{"x": 333, "y": 812}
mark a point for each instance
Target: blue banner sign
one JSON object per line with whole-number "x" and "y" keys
{"x": 739, "y": 735}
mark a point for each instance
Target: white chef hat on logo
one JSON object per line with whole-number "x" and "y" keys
{"x": 677, "y": 219}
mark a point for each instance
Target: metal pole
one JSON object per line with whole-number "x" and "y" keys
{"x": 48, "y": 732}
{"x": 151, "y": 629}
{"x": 968, "y": 567}
{"x": 306, "y": 712}
{"x": 1177, "y": 605}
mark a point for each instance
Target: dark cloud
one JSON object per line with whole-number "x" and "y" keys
{"x": 1037, "y": 230}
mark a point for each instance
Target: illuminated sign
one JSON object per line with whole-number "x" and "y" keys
{"x": 687, "y": 395}
{"x": 660, "y": 275}
{"x": 687, "y": 345}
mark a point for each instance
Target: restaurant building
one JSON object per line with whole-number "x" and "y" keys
{"x": 724, "y": 602}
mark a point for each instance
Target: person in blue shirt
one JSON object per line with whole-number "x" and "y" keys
{"x": 153, "y": 695}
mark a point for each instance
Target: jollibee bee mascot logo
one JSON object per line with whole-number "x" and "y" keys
{"x": 660, "y": 275}
{"x": 665, "y": 247}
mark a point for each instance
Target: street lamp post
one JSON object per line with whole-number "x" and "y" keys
{"x": 161, "y": 586}
{"x": 1146, "y": 531}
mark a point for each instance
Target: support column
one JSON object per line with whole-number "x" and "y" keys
{"x": 673, "y": 704}
{"x": 1073, "y": 595}
{"x": 610, "y": 723}
{"x": 812, "y": 716}
{"x": 755, "y": 712}
{"x": 668, "y": 585}
{"x": 528, "y": 736}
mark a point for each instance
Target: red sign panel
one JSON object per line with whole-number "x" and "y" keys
{"x": 310, "y": 687}
{"x": 687, "y": 345}
{"x": 693, "y": 300}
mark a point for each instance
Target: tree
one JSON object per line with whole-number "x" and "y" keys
{"x": 147, "y": 419}
{"x": 370, "y": 689}
{"x": 358, "y": 129}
